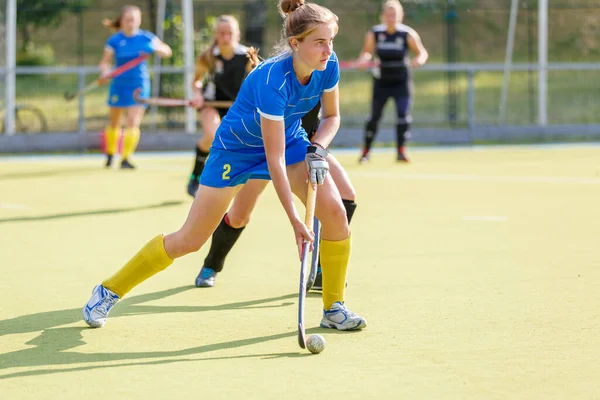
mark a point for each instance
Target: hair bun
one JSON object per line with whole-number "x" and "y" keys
{"x": 289, "y": 6}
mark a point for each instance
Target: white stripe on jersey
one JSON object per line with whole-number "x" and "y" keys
{"x": 311, "y": 97}
{"x": 269, "y": 74}
{"x": 282, "y": 85}
{"x": 254, "y": 115}
{"x": 300, "y": 112}
{"x": 221, "y": 140}
{"x": 238, "y": 138}
{"x": 250, "y": 133}
{"x": 269, "y": 116}
{"x": 330, "y": 89}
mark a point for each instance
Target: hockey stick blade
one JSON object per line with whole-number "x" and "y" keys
{"x": 302, "y": 295}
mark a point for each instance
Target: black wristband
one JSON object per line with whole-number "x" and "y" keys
{"x": 317, "y": 150}
{"x": 318, "y": 145}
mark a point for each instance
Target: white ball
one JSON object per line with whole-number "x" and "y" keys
{"x": 315, "y": 344}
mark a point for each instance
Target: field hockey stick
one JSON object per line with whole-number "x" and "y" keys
{"x": 309, "y": 217}
{"x": 314, "y": 265}
{"x": 116, "y": 72}
{"x": 171, "y": 102}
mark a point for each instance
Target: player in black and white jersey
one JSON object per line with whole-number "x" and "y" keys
{"x": 390, "y": 42}
{"x": 220, "y": 71}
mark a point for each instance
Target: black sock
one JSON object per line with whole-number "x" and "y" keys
{"x": 370, "y": 132}
{"x": 200, "y": 161}
{"x": 402, "y": 134}
{"x": 223, "y": 239}
{"x": 350, "y": 207}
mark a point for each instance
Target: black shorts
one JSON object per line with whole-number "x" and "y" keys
{"x": 222, "y": 112}
{"x": 403, "y": 88}
{"x": 310, "y": 121}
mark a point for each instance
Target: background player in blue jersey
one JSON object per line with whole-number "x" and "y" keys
{"x": 224, "y": 65}
{"x": 128, "y": 43}
{"x": 261, "y": 138}
{"x": 390, "y": 42}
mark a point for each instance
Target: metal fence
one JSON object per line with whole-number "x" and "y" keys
{"x": 573, "y": 90}
{"x": 459, "y": 91}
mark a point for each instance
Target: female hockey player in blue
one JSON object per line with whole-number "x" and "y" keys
{"x": 125, "y": 45}
{"x": 261, "y": 138}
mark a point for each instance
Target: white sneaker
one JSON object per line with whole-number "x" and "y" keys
{"x": 95, "y": 312}
{"x": 339, "y": 317}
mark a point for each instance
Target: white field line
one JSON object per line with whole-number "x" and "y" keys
{"x": 13, "y": 206}
{"x": 478, "y": 178}
{"x": 440, "y": 177}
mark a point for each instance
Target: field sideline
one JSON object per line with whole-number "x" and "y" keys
{"x": 476, "y": 268}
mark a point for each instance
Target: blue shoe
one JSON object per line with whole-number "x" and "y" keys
{"x": 206, "y": 277}
{"x": 339, "y": 317}
{"x": 96, "y": 310}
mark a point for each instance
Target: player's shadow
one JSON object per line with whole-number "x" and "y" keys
{"x": 91, "y": 212}
{"x": 129, "y": 306}
{"x": 53, "y": 346}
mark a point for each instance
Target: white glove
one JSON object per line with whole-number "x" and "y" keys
{"x": 318, "y": 167}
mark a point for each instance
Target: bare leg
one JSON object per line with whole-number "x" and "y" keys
{"x": 112, "y": 133}
{"x": 114, "y": 117}
{"x": 229, "y": 230}
{"x": 207, "y": 210}
{"x": 334, "y": 251}
{"x": 329, "y": 208}
{"x": 160, "y": 252}
{"x": 132, "y": 134}
{"x": 244, "y": 202}
{"x": 210, "y": 122}
{"x": 341, "y": 179}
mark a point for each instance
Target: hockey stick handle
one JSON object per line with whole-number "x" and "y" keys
{"x": 371, "y": 64}
{"x": 172, "y": 102}
{"x": 128, "y": 65}
{"x": 116, "y": 72}
{"x": 311, "y": 200}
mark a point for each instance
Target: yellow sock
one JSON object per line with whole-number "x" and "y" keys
{"x": 130, "y": 142}
{"x": 150, "y": 260}
{"x": 111, "y": 138}
{"x": 334, "y": 265}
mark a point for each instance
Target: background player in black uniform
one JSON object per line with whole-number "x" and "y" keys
{"x": 390, "y": 42}
{"x": 223, "y": 67}
{"x": 238, "y": 216}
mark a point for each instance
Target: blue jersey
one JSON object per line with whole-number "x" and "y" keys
{"x": 126, "y": 48}
{"x": 273, "y": 91}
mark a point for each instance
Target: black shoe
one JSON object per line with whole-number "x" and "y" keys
{"x": 318, "y": 285}
{"x": 109, "y": 159}
{"x": 402, "y": 156}
{"x": 193, "y": 185}
{"x": 125, "y": 164}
